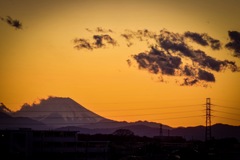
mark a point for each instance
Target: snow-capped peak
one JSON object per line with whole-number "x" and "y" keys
{"x": 60, "y": 111}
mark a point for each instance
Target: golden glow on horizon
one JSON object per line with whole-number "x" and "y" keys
{"x": 40, "y": 60}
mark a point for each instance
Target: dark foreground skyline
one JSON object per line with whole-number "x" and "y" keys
{"x": 121, "y": 144}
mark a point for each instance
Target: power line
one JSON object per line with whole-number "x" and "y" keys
{"x": 228, "y": 118}
{"x": 56, "y": 111}
{"x": 226, "y": 112}
{"x": 73, "y": 123}
{"x": 226, "y": 107}
{"x": 181, "y": 117}
{"x": 129, "y": 109}
{"x": 225, "y": 100}
{"x": 164, "y": 113}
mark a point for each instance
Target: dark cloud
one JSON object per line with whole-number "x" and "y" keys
{"x": 234, "y": 43}
{"x": 145, "y": 33}
{"x": 99, "y": 42}
{"x": 174, "y": 43}
{"x": 82, "y": 43}
{"x": 189, "y": 71}
{"x": 214, "y": 43}
{"x": 196, "y": 75}
{"x": 167, "y": 60}
{"x": 203, "y": 39}
{"x": 206, "y": 76}
{"x": 157, "y": 61}
{"x": 196, "y": 37}
{"x": 189, "y": 82}
{"x": 12, "y": 22}
{"x": 170, "y": 54}
{"x": 231, "y": 65}
{"x": 207, "y": 61}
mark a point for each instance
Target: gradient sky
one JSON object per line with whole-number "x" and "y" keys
{"x": 40, "y": 60}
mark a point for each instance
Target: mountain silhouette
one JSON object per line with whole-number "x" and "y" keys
{"x": 4, "y": 109}
{"x": 59, "y": 111}
{"x": 9, "y": 122}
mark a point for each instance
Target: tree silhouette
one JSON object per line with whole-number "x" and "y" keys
{"x": 123, "y": 132}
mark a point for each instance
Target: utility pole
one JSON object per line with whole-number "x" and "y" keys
{"x": 208, "y": 134}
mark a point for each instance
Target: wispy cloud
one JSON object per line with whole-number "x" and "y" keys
{"x": 140, "y": 35}
{"x": 82, "y": 43}
{"x": 99, "y": 30}
{"x": 12, "y": 22}
{"x": 128, "y": 38}
{"x": 102, "y": 30}
{"x": 98, "y": 41}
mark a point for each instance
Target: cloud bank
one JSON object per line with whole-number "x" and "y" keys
{"x": 170, "y": 54}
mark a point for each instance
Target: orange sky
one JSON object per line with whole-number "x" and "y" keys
{"x": 40, "y": 60}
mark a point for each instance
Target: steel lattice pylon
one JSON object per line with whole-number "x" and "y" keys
{"x": 208, "y": 133}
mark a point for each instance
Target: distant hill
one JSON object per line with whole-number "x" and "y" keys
{"x": 224, "y": 131}
{"x": 9, "y": 122}
{"x": 4, "y": 109}
{"x": 198, "y": 132}
{"x": 139, "y": 130}
{"x": 189, "y": 133}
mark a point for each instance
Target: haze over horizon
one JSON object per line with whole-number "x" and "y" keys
{"x": 124, "y": 60}
{"x": 62, "y": 111}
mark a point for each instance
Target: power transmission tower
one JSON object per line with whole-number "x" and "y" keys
{"x": 208, "y": 134}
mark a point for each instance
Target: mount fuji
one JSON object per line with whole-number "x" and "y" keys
{"x": 59, "y": 112}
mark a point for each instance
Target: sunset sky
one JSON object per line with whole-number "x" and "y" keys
{"x": 61, "y": 51}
